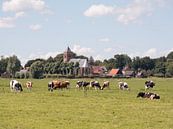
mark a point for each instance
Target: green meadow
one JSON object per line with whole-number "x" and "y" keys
{"x": 90, "y": 109}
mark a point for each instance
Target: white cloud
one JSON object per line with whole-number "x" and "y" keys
{"x": 104, "y": 40}
{"x": 98, "y": 10}
{"x": 129, "y": 14}
{"x": 7, "y": 22}
{"x": 108, "y": 50}
{"x": 24, "y": 5}
{"x": 151, "y": 53}
{"x": 99, "y": 57}
{"x": 20, "y": 14}
{"x": 35, "y": 27}
{"x": 82, "y": 50}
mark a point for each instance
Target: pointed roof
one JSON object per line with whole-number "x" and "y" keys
{"x": 113, "y": 72}
{"x": 68, "y": 49}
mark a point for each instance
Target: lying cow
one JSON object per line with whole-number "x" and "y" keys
{"x": 15, "y": 86}
{"x": 149, "y": 84}
{"x": 123, "y": 86}
{"x": 82, "y": 84}
{"x": 105, "y": 85}
{"x": 95, "y": 84}
{"x": 55, "y": 84}
{"x": 148, "y": 95}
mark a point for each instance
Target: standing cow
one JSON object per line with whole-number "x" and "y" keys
{"x": 55, "y": 84}
{"x": 15, "y": 86}
{"x": 105, "y": 85}
{"x": 95, "y": 84}
{"x": 149, "y": 84}
{"x": 123, "y": 86}
{"x": 29, "y": 85}
{"x": 82, "y": 84}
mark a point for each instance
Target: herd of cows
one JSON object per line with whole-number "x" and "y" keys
{"x": 16, "y": 86}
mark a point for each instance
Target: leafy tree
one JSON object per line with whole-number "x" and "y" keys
{"x": 59, "y": 58}
{"x": 13, "y": 65}
{"x": 170, "y": 55}
{"x": 3, "y": 64}
{"x": 122, "y": 60}
{"x": 136, "y": 64}
{"x": 110, "y": 63}
{"x": 30, "y": 62}
{"x": 147, "y": 63}
{"x": 37, "y": 69}
{"x": 169, "y": 69}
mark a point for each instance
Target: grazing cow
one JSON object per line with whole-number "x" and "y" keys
{"x": 29, "y": 85}
{"x": 148, "y": 95}
{"x": 105, "y": 84}
{"x": 95, "y": 84}
{"x": 149, "y": 84}
{"x": 83, "y": 84}
{"x": 55, "y": 84}
{"x": 123, "y": 86}
{"x": 15, "y": 86}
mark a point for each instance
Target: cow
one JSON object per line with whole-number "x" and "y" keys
{"x": 95, "y": 84}
{"x": 148, "y": 95}
{"x": 15, "y": 86}
{"x": 149, "y": 84}
{"x": 83, "y": 84}
{"x": 105, "y": 85}
{"x": 29, "y": 85}
{"x": 55, "y": 84}
{"x": 123, "y": 86}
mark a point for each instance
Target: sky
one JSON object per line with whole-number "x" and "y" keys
{"x": 100, "y": 28}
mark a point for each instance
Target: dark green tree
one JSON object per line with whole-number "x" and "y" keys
{"x": 122, "y": 60}
{"x": 3, "y": 64}
{"x": 13, "y": 65}
{"x": 37, "y": 69}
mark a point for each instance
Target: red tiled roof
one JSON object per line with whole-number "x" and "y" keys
{"x": 97, "y": 69}
{"x": 113, "y": 72}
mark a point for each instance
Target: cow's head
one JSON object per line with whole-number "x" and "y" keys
{"x": 141, "y": 94}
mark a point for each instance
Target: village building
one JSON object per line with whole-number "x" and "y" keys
{"x": 84, "y": 66}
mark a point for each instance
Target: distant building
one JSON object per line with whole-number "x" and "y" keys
{"x": 114, "y": 72}
{"x": 84, "y": 66}
{"x": 98, "y": 70}
{"x": 68, "y": 54}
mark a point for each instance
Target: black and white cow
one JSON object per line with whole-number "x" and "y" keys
{"x": 15, "y": 86}
{"x": 149, "y": 84}
{"x": 95, "y": 84}
{"x": 148, "y": 95}
{"x": 82, "y": 84}
{"x": 123, "y": 86}
{"x": 105, "y": 85}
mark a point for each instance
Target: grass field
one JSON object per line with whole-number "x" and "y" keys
{"x": 75, "y": 109}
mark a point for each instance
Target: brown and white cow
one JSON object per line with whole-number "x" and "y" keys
{"x": 29, "y": 85}
{"x": 56, "y": 84}
{"x": 105, "y": 85}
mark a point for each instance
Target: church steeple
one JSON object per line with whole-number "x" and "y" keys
{"x": 68, "y": 54}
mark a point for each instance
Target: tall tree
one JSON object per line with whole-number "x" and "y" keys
{"x": 37, "y": 69}
{"x": 13, "y": 65}
{"x": 3, "y": 64}
{"x": 122, "y": 60}
{"x": 170, "y": 56}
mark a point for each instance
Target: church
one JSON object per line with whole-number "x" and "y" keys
{"x": 84, "y": 64}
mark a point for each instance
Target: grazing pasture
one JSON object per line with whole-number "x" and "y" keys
{"x": 86, "y": 109}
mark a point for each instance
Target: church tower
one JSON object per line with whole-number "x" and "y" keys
{"x": 68, "y": 54}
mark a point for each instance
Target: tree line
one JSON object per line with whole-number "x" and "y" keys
{"x": 37, "y": 68}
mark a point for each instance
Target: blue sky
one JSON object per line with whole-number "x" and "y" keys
{"x": 98, "y": 28}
